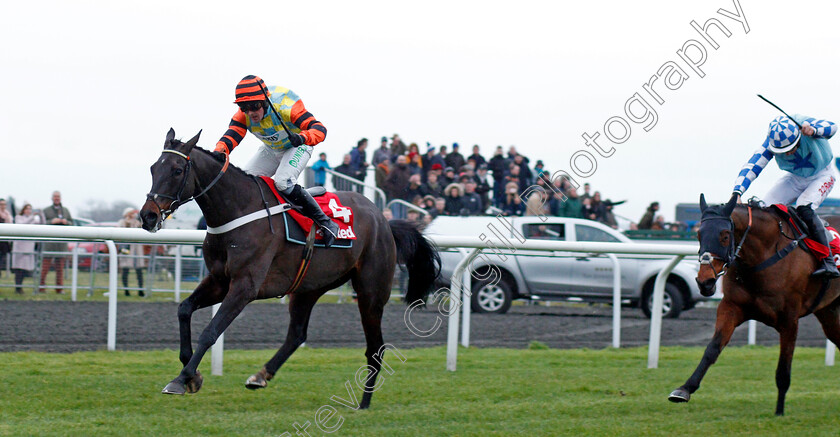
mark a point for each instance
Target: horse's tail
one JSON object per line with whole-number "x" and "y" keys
{"x": 420, "y": 257}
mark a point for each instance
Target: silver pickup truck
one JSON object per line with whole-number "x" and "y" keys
{"x": 560, "y": 275}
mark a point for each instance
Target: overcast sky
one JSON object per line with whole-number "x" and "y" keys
{"x": 89, "y": 88}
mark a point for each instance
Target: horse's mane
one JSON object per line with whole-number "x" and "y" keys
{"x": 176, "y": 143}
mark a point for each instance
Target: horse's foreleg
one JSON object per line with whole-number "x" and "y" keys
{"x": 207, "y": 293}
{"x": 787, "y": 343}
{"x": 729, "y": 316}
{"x": 241, "y": 293}
{"x": 300, "y": 308}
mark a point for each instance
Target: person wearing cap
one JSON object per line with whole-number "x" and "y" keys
{"x": 277, "y": 116}
{"x": 806, "y": 157}
{"x": 448, "y": 176}
{"x": 382, "y": 154}
{"x": 428, "y": 160}
{"x": 455, "y": 159}
{"x": 397, "y": 147}
{"x": 131, "y": 254}
{"x": 646, "y": 222}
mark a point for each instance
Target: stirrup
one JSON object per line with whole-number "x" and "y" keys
{"x": 826, "y": 271}
{"x": 329, "y": 236}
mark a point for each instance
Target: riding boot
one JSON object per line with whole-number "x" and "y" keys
{"x": 827, "y": 268}
{"x": 310, "y": 208}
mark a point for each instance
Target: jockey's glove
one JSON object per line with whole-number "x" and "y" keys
{"x": 297, "y": 140}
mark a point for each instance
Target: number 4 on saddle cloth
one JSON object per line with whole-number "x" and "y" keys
{"x": 298, "y": 229}
{"x": 818, "y": 250}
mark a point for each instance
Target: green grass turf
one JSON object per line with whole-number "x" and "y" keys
{"x": 501, "y": 392}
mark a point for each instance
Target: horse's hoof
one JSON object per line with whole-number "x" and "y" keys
{"x": 679, "y": 395}
{"x": 174, "y": 388}
{"x": 194, "y": 384}
{"x": 258, "y": 380}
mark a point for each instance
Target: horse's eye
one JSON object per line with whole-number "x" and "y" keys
{"x": 178, "y": 171}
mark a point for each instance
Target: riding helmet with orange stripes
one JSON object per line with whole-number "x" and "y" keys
{"x": 250, "y": 88}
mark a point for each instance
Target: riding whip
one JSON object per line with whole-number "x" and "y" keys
{"x": 782, "y": 111}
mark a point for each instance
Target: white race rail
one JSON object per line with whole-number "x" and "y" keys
{"x": 460, "y": 287}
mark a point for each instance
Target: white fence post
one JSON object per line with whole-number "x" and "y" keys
{"x": 177, "y": 274}
{"x": 751, "y": 332}
{"x": 456, "y": 297}
{"x": 656, "y": 312}
{"x": 466, "y": 301}
{"x": 74, "y": 282}
{"x": 616, "y": 337}
{"x": 112, "y": 294}
{"x": 217, "y": 351}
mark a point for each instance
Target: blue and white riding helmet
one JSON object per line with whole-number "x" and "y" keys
{"x": 783, "y": 135}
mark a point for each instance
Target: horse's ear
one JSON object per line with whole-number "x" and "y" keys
{"x": 192, "y": 142}
{"x": 703, "y": 204}
{"x": 731, "y": 204}
{"x": 169, "y": 137}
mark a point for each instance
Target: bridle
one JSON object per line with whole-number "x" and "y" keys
{"x": 732, "y": 252}
{"x": 177, "y": 201}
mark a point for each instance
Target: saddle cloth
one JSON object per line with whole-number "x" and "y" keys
{"x": 816, "y": 248}
{"x": 331, "y": 205}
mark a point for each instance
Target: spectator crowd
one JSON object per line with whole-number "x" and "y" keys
{"x": 444, "y": 181}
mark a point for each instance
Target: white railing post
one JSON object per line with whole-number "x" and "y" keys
{"x": 217, "y": 351}
{"x": 177, "y": 274}
{"x": 751, "y": 332}
{"x": 616, "y": 337}
{"x": 466, "y": 302}
{"x": 656, "y": 312}
{"x": 829, "y": 353}
{"x": 112, "y": 296}
{"x": 455, "y": 299}
{"x": 74, "y": 282}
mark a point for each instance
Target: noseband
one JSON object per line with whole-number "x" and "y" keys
{"x": 730, "y": 257}
{"x": 176, "y": 199}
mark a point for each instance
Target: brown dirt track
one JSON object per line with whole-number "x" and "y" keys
{"x": 79, "y": 326}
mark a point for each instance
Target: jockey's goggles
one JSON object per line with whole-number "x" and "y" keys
{"x": 254, "y": 105}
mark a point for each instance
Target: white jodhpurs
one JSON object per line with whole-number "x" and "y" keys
{"x": 283, "y": 165}
{"x": 796, "y": 190}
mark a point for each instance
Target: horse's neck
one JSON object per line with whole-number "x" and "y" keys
{"x": 763, "y": 237}
{"x": 234, "y": 195}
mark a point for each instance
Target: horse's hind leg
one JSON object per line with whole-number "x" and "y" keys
{"x": 787, "y": 343}
{"x": 829, "y": 318}
{"x": 729, "y": 316}
{"x": 373, "y": 289}
{"x": 300, "y": 308}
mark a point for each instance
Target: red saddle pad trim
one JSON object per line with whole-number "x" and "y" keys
{"x": 332, "y": 207}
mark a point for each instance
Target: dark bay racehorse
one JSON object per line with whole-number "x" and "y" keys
{"x": 250, "y": 262}
{"x": 766, "y": 277}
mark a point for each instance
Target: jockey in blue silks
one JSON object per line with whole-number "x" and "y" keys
{"x": 807, "y": 158}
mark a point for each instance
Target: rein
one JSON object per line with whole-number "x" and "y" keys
{"x": 176, "y": 199}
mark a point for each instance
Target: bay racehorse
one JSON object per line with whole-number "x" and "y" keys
{"x": 254, "y": 261}
{"x": 765, "y": 277}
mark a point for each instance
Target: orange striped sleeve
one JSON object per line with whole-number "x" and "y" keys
{"x": 312, "y": 130}
{"x": 234, "y": 135}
